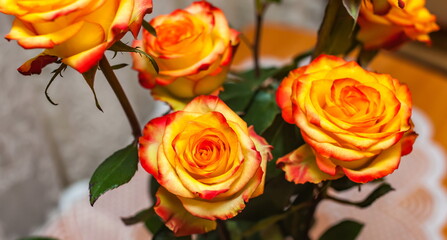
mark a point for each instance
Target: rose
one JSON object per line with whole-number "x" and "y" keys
{"x": 193, "y": 48}
{"x": 207, "y": 161}
{"x": 390, "y": 23}
{"x": 355, "y": 122}
{"x": 77, "y": 31}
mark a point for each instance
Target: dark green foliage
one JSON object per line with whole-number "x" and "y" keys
{"x": 115, "y": 171}
{"x": 346, "y": 230}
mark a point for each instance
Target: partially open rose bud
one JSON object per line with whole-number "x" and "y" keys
{"x": 193, "y": 49}
{"x": 390, "y": 23}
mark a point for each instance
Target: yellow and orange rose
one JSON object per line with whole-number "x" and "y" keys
{"x": 193, "y": 49}
{"x": 354, "y": 122}
{"x": 389, "y": 23}
{"x": 207, "y": 161}
{"x": 77, "y": 31}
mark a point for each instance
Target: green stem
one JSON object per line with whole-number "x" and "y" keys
{"x": 324, "y": 32}
{"x": 320, "y": 194}
{"x": 119, "y": 92}
{"x": 222, "y": 230}
{"x": 341, "y": 201}
{"x": 260, "y": 10}
{"x": 245, "y": 39}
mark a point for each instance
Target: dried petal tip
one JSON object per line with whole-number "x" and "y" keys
{"x": 401, "y": 3}
{"x": 35, "y": 65}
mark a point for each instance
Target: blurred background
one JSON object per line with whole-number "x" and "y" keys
{"x": 45, "y": 148}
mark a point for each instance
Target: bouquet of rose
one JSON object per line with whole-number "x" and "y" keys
{"x": 241, "y": 155}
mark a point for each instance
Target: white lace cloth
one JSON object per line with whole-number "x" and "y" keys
{"x": 415, "y": 210}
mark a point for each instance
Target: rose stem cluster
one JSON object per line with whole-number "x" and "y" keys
{"x": 119, "y": 92}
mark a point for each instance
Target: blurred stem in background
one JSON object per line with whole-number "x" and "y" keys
{"x": 260, "y": 8}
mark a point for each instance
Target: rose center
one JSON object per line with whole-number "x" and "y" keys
{"x": 173, "y": 33}
{"x": 207, "y": 151}
{"x": 353, "y": 100}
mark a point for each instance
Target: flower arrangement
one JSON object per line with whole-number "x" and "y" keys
{"x": 240, "y": 155}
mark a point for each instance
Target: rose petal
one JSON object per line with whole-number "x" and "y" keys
{"x": 300, "y": 167}
{"x": 384, "y": 163}
{"x": 407, "y": 142}
{"x": 140, "y": 8}
{"x": 83, "y": 61}
{"x": 177, "y": 218}
{"x": 52, "y": 14}
{"x": 149, "y": 144}
{"x": 28, "y": 39}
{"x": 203, "y": 104}
{"x": 213, "y": 210}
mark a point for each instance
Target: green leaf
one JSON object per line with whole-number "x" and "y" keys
{"x": 149, "y": 28}
{"x": 276, "y": 197}
{"x": 343, "y": 184}
{"x": 213, "y": 235}
{"x": 253, "y": 81}
{"x": 236, "y": 96}
{"x": 380, "y": 191}
{"x": 119, "y": 66}
{"x": 263, "y": 103}
{"x": 37, "y": 238}
{"x": 272, "y": 233}
{"x": 264, "y": 223}
{"x": 284, "y": 137}
{"x": 238, "y": 93}
{"x": 284, "y": 71}
{"x": 353, "y": 8}
{"x": 337, "y": 31}
{"x": 269, "y": 221}
{"x": 346, "y": 230}
{"x": 366, "y": 56}
{"x": 300, "y": 221}
{"x": 115, "y": 171}
{"x": 89, "y": 77}
{"x": 154, "y": 223}
{"x": 141, "y": 216}
{"x": 235, "y": 229}
{"x": 165, "y": 234}
{"x": 57, "y": 72}
{"x": 122, "y": 47}
{"x": 153, "y": 188}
